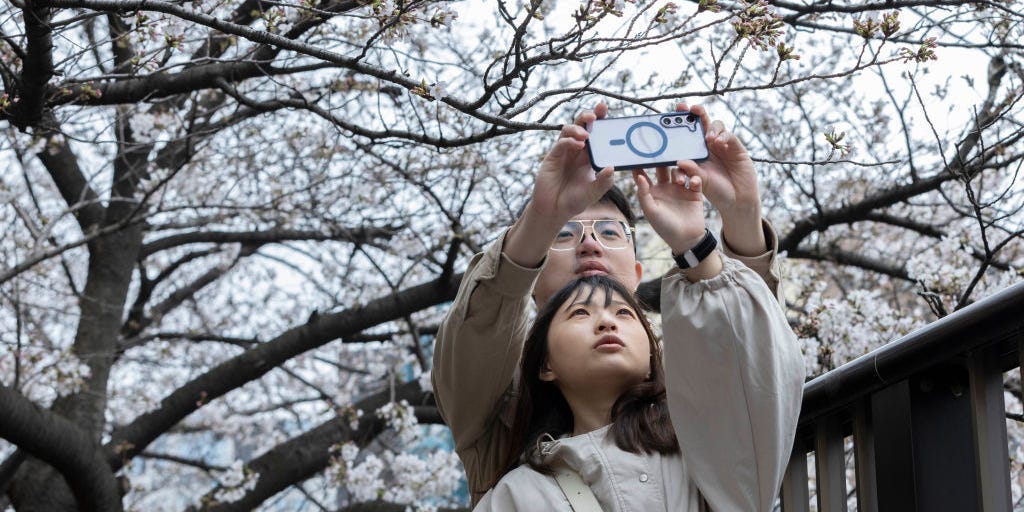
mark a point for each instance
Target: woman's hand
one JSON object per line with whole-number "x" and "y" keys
{"x": 673, "y": 204}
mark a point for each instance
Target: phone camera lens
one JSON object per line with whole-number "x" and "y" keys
{"x": 666, "y": 121}
{"x": 690, "y": 118}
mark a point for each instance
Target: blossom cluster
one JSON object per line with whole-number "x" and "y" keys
{"x": 401, "y": 418}
{"x": 235, "y": 482}
{"x": 45, "y": 375}
{"x": 403, "y": 478}
{"x": 837, "y": 330}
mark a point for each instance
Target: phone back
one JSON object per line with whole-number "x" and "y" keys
{"x": 646, "y": 141}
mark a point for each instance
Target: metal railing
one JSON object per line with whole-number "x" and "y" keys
{"x": 925, "y": 416}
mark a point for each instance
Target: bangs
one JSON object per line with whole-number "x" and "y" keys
{"x": 585, "y": 290}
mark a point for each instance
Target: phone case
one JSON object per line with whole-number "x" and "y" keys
{"x": 646, "y": 141}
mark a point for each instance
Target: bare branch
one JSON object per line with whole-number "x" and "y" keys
{"x": 362, "y": 235}
{"x": 125, "y": 442}
{"x": 63, "y": 445}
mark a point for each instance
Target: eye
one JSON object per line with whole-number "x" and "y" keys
{"x": 564, "y": 234}
{"x": 579, "y": 312}
{"x": 609, "y": 230}
{"x": 626, "y": 311}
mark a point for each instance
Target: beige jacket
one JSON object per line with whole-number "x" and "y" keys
{"x": 479, "y": 345}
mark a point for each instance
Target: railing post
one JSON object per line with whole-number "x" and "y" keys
{"x": 831, "y": 466}
{"x": 988, "y": 413}
{"x": 864, "y": 458}
{"x": 894, "y": 453}
{"x": 924, "y": 444}
{"x": 795, "y": 497}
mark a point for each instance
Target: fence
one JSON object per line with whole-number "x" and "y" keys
{"x": 925, "y": 415}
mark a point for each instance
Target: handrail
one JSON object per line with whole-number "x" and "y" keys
{"x": 962, "y": 331}
{"x": 923, "y": 417}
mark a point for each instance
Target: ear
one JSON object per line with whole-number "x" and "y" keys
{"x": 547, "y": 374}
{"x": 639, "y": 269}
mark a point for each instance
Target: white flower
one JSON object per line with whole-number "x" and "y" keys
{"x": 425, "y": 383}
{"x": 71, "y": 373}
{"x": 235, "y": 482}
{"x": 363, "y": 481}
{"x": 438, "y": 90}
{"x": 401, "y": 418}
{"x": 349, "y": 452}
{"x": 444, "y": 17}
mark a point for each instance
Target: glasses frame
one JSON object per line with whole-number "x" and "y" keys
{"x": 630, "y": 234}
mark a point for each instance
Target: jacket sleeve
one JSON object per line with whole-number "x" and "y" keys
{"x": 476, "y": 353}
{"x": 765, "y": 264}
{"x": 734, "y": 376}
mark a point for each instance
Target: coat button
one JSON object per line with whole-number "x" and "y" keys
{"x": 643, "y": 478}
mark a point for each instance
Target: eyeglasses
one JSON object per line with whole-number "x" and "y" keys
{"x": 611, "y": 234}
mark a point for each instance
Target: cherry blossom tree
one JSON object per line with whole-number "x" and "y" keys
{"x": 230, "y": 228}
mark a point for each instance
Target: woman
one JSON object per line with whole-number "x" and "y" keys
{"x": 595, "y": 397}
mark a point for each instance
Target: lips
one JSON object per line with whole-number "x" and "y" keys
{"x": 591, "y": 268}
{"x": 609, "y": 342}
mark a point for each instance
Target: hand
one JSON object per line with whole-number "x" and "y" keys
{"x": 730, "y": 181}
{"x": 730, "y": 184}
{"x": 566, "y": 184}
{"x": 674, "y": 205}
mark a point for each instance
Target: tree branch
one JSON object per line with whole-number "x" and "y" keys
{"x": 137, "y": 324}
{"x": 9, "y": 468}
{"x": 129, "y": 440}
{"x": 131, "y": 91}
{"x": 62, "y": 165}
{"x": 852, "y": 259}
{"x": 58, "y": 442}
{"x": 363, "y": 235}
{"x": 183, "y": 461}
{"x": 309, "y": 453}
{"x": 37, "y": 67}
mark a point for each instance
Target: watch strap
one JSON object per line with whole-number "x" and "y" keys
{"x": 697, "y": 253}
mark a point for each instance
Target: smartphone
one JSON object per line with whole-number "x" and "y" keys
{"x": 653, "y": 140}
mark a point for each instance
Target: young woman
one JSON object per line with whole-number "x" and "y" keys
{"x": 596, "y": 397}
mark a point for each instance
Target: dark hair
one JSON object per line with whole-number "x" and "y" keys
{"x": 613, "y": 196}
{"x": 640, "y": 420}
{"x": 618, "y": 199}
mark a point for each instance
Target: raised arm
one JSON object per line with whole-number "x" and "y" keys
{"x": 481, "y": 339}
{"x": 734, "y": 373}
{"x": 734, "y": 377}
{"x": 475, "y": 357}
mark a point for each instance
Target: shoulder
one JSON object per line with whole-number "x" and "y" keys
{"x": 524, "y": 489}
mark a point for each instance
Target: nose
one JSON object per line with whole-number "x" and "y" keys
{"x": 606, "y": 324}
{"x": 589, "y": 245}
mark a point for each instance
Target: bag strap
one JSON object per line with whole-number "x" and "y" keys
{"x": 580, "y": 497}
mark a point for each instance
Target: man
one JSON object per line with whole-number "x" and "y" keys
{"x": 481, "y": 339}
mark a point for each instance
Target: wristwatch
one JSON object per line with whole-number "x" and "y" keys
{"x": 697, "y": 253}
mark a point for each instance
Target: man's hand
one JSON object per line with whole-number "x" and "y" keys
{"x": 730, "y": 184}
{"x": 565, "y": 186}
